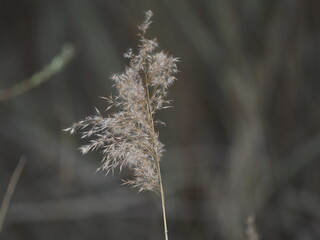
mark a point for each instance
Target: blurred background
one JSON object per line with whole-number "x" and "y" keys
{"x": 243, "y": 138}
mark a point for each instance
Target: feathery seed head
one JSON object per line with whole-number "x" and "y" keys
{"x": 127, "y": 138}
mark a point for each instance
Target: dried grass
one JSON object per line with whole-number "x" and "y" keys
{"x": 127, "y": 137}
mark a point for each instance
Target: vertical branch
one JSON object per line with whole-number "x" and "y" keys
{"x": 11, "y": 187}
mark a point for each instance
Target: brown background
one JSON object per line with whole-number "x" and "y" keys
{"x": 243, "y": 137}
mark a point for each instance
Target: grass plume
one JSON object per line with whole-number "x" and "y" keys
{"x": 127, "y": 137}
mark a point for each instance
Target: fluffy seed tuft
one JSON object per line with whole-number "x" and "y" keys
{"x": 127, "y": 137}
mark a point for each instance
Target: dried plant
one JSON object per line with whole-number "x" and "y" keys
{"x": 127, "y": 137}
{"x": 251, "y": 230}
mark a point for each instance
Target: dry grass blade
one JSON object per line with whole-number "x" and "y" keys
{"x": 11, "y": 187}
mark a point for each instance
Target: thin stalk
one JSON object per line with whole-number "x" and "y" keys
{"x": 163, "y": 203}
{"x": 157, "y": 161}
{"x": 11, "y": 187}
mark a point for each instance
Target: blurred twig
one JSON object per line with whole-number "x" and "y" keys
{"x": 12, "y": 185}
{"x": 55, "y": 66}
{"x": 251, "y": 230}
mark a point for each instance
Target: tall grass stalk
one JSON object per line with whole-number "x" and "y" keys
{"x": 127, "y": 137}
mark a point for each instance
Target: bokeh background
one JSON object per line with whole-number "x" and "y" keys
{"x": 243, "y": 138}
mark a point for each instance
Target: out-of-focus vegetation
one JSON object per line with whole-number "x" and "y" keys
{"x": 243, "y": 138}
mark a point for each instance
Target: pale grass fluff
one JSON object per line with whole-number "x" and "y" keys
{"x": 251, "y": 230}
{"x": 127, "y": 136}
